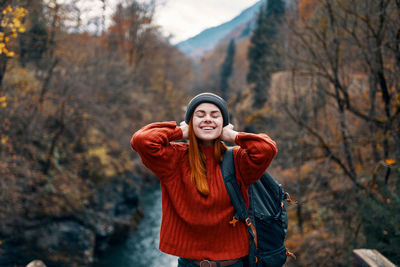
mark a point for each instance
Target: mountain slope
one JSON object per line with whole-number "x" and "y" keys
{"x": 206, "y": 40}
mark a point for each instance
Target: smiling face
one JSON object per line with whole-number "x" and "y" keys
{"x": 207, "y": 123}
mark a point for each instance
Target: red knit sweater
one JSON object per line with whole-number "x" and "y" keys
{"x": 194, "y": 226}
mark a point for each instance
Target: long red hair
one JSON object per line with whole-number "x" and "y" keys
{"x": 197, "y": 161}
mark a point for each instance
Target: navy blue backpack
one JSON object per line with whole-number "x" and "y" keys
{"x": 266, "y": 218}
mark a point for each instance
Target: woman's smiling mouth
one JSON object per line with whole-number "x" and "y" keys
{"x": 207, "y": 128}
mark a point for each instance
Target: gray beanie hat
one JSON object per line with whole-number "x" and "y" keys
{"x": 207, "y": 98}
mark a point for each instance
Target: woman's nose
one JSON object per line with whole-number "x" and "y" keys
{"x": 207, "y": 118}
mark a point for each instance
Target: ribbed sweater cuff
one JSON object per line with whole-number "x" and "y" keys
{"x": 238, "y": 137}
{"x": 176, "y": 134}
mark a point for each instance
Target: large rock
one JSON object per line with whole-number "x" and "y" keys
{"x": 115, "y": 214}
{"x": 75, "y": 239}
{"x": 65, "y": 243}
{"x": 36, "y": 263}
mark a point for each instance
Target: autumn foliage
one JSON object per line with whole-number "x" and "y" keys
{"x": 338, "y": 96}
{"x": 69, "y": 103}
{"x": 334, "y": 111}
{"x": 11, "y": 24}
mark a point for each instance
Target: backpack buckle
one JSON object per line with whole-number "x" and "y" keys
{"x": 248, "y": 221}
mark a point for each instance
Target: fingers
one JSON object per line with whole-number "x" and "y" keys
{"x": 230, "y": 126}
{"x": 228, "y": 134}
{"x": 185, "y": 129}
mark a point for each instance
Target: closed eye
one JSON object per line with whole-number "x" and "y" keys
{"x": 215, "y": 114}
{"x": 200, "y": 114}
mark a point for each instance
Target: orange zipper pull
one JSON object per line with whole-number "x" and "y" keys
{"x": 233, "y": 221}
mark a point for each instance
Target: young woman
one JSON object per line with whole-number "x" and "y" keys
{"x": 197, "y": 212}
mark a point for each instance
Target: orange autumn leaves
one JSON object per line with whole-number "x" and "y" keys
{"x": 11, "y": 23}
{"x": 306, "y": 8}
{"x": 3, "y": 102}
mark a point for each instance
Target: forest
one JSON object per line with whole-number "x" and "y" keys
{"x": 321, "y": 77}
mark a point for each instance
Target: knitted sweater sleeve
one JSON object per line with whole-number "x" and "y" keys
{"x": 153, "y": 143}
{"x": 253, "y": 156}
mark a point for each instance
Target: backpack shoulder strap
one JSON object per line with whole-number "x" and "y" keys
{"x": 229, "y": 176}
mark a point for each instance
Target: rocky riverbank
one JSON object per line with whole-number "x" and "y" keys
{"x": 76, "y": 239}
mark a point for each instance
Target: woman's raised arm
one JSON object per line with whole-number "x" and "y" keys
{"x": 153, "y": 143}
{"x": 253, "y": 156}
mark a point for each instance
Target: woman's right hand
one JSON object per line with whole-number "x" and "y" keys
{"x": 185, "y": 129}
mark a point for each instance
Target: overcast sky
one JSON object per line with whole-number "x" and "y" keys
{"x": 181, "y": 19}
{"x": 186, "y": 18}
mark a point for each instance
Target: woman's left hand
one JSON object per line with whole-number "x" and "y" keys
{"x": 228, "y": 134}
{"x": 185, "y": 130}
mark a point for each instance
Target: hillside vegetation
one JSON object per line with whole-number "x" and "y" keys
{"x": 328, "y": 77}
{"x": 69, "y": 103}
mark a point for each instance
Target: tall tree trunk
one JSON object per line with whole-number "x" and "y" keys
{"x": 344, "y": 132}
{"x": 372, "y": 127}
{"x": 339, "y": 90}
{"x": 3, "y": 67}
{"x": 47, "y": 80}
{"x": 58, "y": 133}
{"x": 299, "y": 218}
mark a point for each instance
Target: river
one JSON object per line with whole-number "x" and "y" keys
{"x": 141, "y": 247}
